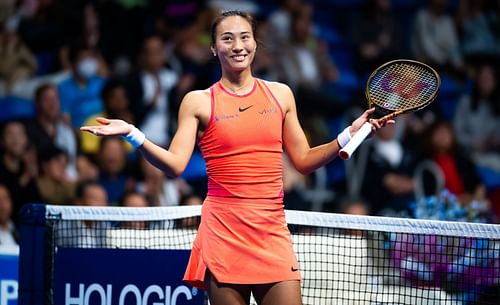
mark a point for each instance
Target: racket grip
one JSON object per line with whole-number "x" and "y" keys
{"x": 346, "y": 152}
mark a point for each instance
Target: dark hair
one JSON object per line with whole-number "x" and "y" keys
{"x": 493, "y": 99}
{"x": 226, "y": 14}
{"x": 82, "y": 187}
{"x": 41, "y": 90}
{"x": 75, "y": 48}
{"x": 109, "y": 87}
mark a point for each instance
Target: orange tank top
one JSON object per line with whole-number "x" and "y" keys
{"x": 242, "y": 144}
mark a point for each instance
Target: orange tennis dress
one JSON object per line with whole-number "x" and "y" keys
{"x": 243, "y": 237}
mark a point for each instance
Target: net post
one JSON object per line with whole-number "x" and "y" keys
{"x": 31, "y": 259}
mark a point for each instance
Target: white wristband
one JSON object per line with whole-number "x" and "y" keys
{"x": 344, "y": 137}
{"x": 135, "y": 137}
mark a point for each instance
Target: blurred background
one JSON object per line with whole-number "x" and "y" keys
{"x": 63, "y": 63}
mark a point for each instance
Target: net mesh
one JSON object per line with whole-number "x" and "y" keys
{"x": 344, "y": 259}
{"x": 402, "y": 85}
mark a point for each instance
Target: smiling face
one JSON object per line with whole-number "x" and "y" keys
{"x": 234, "y": 43}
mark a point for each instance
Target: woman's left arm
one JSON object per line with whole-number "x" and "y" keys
{"x": 305, "y": 158}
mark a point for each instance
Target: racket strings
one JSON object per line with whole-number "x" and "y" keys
{"x": 402, "y": 86}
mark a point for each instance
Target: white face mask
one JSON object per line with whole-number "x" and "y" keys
{"x": 87, "y": 67}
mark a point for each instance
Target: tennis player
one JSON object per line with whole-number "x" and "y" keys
{"x": 241, "y": 123}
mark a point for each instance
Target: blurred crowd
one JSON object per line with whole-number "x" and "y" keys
{"x": 64, "y": 63}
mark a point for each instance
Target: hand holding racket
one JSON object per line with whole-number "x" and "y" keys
{"x": 396, "y": 87}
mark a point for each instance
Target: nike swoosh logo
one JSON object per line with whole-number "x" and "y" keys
{"x": 243, "y": 109}
{"x": 294, "y": 269}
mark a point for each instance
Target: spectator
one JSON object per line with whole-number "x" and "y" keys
{"x": 477, "y": 117}
{"x": 280, "y": 21}
{"x": 116, "y": 104}
{"x": 434, "y": 39}
{"x": 18, "y": 166}
{"x": 53, "y": 185}
{"x": 393, "y": 165}
{"x": 310, "y": 72}
{"x": 48, "y": 128}
{"x": 85, "y": 233}
{"x": 90, "y": 35}
{"x": 354, "y": 205}
{"x": 80, "y": 92}
{"x": 134, "y": 200}
{"x": 160, "y": 190}
{"x": 460, "y": 176}
{"x": 87, "y": 170}
{"x": 42, "y": 26}
{"x": 479, "y": 38}
{"x": 189, "y": 222}
{"x": 8, "y": 232}
{"x": 90, "y": 193}
{"x": 17, "y": 63}
{"x": 375, "y": 34}
{"x": 114, "y": 176}
{"x": 149, "y": 90}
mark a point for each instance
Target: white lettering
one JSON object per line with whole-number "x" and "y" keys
{"x": 153, "y": 294}
{"x": 134, "y": 290}
{"x": 8, "y": 291}
{"x": 68, "y": 300}
{"x": 97, "y": 288}
{"x": 150, "y": 290}
{"x": 181, "y": 290}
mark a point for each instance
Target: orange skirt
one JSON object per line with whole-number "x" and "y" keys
{"x": 242, "y": 243}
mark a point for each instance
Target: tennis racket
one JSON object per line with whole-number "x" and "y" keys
{"x": 396, "y": 87}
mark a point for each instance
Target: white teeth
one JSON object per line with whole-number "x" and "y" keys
{"x": 239, "y": 57}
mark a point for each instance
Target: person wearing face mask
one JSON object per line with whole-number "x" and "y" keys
{"x": 80, "y": 93}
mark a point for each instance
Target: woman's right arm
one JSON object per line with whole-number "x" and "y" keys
{"x": 174, "y": 160}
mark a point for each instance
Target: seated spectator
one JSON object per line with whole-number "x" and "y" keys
{"x": 149, "y": 89}
{"x": 354, "y": 206}
{"x": 8, "y": 233}
{"x": 48, "y": 128}
{"x": 116, "y": 105}
{"x": 376, "y": 36}
{"x": 460, "y": 176}
{"x": 114, "y": 176}
{"x": 18, "y": 166}
{"x": 434, "y": 38}
{"x": 390, "y": 164}
{"x": 53, "y": 184}
{"x": 85, "y": 233}
{"x": 159, "y": 189}
{"x": 90, "y": 193}
{"x": 17, "y": 63}
{"x": 80, "y": 92}
{"x": 191, "y": 222}
{"x": 478, "y": 28}
{"x": 477, "y": 117}
{"x": 43, "y": 26}
{"x": 87, "y": 28}
{"x": 310, "y": 72}
{"x": 86, "y": 168}
{"x": 134, "y": 200}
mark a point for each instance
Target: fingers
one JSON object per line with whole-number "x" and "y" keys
{"x": 102, "y": 120}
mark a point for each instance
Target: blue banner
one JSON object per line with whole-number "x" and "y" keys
{"x": 9, "y": 273}
{"x": 122, "y": 277}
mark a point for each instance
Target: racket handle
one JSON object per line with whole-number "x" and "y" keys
{"x": 346, "y": 152}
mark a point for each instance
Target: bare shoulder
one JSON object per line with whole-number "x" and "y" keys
{"x": 282, "y": 92}
{"x": 196, "y": 103}
{"x": 278, "y": 88}
{"x": 196, "y": 99}
{"x": 197, "y": 96}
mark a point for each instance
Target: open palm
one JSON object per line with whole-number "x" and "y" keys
{"x": 108, "y": 127}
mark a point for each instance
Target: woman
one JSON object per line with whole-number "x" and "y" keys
{"x": 243, "y": 244}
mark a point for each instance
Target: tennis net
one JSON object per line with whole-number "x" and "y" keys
{"x": 344, "y": 259}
